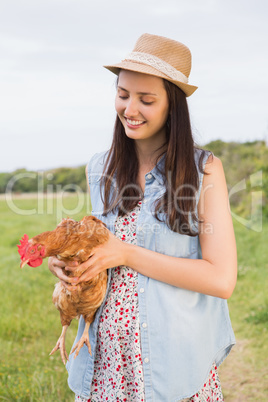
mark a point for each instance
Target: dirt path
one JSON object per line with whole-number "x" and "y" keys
{"x": 239, "y": 378}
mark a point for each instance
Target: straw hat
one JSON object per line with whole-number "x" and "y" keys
{"x": 161, "y": 57}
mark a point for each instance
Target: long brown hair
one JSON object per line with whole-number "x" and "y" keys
{"x": 177, "y": 206}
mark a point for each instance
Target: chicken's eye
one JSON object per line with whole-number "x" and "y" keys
{"x": 32, "y": 250}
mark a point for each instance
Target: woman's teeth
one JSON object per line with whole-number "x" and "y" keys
{"x": 134, "y": 122}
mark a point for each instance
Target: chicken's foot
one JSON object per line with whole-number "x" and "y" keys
{"x": 84, "y": 339}
{"x": 61, "y": 345}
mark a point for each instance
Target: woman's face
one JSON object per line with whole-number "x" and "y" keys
{"x": 142, "y": 106}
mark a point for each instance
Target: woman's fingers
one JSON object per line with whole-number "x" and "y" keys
{"x": 71, "y": 288}
{"x": 72, "y": 265}
{"x": 103, "y": 257}
{"x": 61, "y": 275}
{"x": 65, "y": 278}
{"x": 53, "y": 262}
{"x": 94, "y": 266}
{"x": 57, "y": 268}
{"x": 88, "y": 275}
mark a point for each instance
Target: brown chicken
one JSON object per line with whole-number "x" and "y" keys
{"x": 70, "y": 241}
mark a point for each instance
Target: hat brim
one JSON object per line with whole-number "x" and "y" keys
{"x": 145, "y": 69}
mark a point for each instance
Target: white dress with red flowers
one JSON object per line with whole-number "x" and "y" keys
{"x": 118, "y": 373}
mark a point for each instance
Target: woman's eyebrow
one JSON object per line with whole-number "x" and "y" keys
{"x": 139, "y": 93}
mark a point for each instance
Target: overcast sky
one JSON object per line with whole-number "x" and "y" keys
{"x": 57, "y": 101}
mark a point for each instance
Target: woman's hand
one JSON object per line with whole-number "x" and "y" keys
{"x": 57, "y": 266}
{"x": 108, "y": 255}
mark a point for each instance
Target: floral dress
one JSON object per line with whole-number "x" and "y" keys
{"x": 118, "y": 372}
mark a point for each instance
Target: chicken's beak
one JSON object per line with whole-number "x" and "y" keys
{"x": 24, "y": 262}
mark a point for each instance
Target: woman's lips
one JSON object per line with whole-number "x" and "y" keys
{"x": 134, "y": 123}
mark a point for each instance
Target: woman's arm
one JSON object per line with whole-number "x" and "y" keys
{"x": 214, "y": 275}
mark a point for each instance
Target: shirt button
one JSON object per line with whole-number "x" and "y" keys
{"x": 140, "y": 228}
{"x": 144, "y": 201}
{"x": 146, "y": 360}
{"x": 141, "y": 290}
{"x": 149, "y": 176}
{"x": 144, "y": 325}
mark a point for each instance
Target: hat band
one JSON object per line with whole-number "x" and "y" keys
{"x": 158, "y": 64}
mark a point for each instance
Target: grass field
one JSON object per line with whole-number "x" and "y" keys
{"x": 30, "y": 324}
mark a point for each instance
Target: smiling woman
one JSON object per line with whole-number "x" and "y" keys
{"x": 164, "y": 325}
{"x": 142, "y": 107}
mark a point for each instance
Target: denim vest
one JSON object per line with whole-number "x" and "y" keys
{"x": 182, "y": 332}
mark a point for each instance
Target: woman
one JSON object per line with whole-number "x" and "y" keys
{"x": 171, "y": 256}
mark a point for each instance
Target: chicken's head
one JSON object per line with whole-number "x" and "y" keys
{"x": 31, "y": 254}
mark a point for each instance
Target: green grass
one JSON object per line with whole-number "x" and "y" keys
{"x": 244, "y": 374}
{"x": 30, "y": 324}
{"x": 249, "y": 303}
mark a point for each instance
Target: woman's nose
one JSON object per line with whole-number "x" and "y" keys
{"x": 131, "y": 109}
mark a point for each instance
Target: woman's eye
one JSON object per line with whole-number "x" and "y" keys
{"x": 147, "y": 103}
{"x": 123, "y": 97}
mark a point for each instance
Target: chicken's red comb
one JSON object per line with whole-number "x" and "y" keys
{"x": 22, "y": 246}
